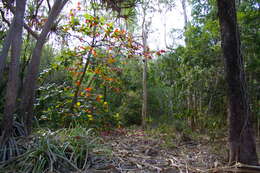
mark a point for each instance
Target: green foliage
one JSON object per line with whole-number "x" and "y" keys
{"x": 248, "y": 18}
{"x": 91, "y": 72}
{"x": 64, "y": 150}
{"x": 131, "y": 109}
{"x": 92, "y": 111}
{"x": 95, "y": 80}
{"x": 51, "y": 103}
{"x": 189, "y": 81}
{"x": 11, "y": 148}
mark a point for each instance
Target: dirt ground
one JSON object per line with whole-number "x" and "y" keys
{"x": 135, "y": 151}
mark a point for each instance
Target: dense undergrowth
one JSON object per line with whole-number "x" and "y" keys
{"x": 98, "y": 86}
{"x": 64, "y": 150}
{"x": 76, "y": 149}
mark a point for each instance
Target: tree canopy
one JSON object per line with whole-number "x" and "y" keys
{"x": 73, "y": 73}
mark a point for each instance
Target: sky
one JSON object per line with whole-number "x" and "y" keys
{"x": 173, "y": 19}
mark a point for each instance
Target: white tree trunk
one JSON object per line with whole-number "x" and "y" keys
{"x": 145, "y": 29}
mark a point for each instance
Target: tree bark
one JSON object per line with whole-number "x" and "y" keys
{"x": 144, "y": 106}
{"x": 5, "y": 49}
{"x": 145, "y": 29}
{"x": 12, "y": 9}
{"x": 241, "y": 135}
{"x": 183, "y": 4}
{"x": 26, "y": 107}
{"x": 12, "y": 85}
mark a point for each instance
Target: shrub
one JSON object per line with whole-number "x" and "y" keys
{"x": 64, "y": 150}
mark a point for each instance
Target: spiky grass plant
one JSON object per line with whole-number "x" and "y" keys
{"x": 11, "y": 148}
{"x": 65, "y": 150}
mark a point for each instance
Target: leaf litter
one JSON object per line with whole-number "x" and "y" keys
{"x": 126, "y": 151}
{"x": 135, "y": 151}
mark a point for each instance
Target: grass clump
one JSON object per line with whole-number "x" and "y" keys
{"x": 65, "y": 150}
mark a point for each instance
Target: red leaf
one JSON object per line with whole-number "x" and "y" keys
{"x": 88, "y": 89}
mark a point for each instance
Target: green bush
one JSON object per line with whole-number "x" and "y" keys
{"x": 131, "y": 109}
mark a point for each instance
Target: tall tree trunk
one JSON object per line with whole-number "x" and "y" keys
{"x": 144, "y": 106}
{"x": 241, "y": 135}
{"x": 33, "y": 69}
{"x": 13, "y": 78}
{"x": 183, "y": 4}
{"x": 145, "y": 29}
{"x": 5, "y": 49}
{"x": 185, "y": 17}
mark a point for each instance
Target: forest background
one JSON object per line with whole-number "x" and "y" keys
{"x": 89, "y": 64}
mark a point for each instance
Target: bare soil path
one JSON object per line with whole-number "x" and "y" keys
{"x": 134, "y": 151}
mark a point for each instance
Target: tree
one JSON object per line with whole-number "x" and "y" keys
{"x": 33, "y": 69}
{"x": 9, "y": 36}
{"x": 12, "y": 85}
{"x": 183, "y": 4}
{"x": 241, "y": 136}
{"x": 146, "y": 22}
{"x": 5, "y": 49}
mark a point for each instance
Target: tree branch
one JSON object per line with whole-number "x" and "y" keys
{"x": 4, "y": 19}
{"x": 49, "y": 5}
{"x": 29, "y": 30}
{"x": 12, "y": 9}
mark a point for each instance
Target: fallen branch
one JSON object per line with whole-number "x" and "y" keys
{"x": 238, "y": 167}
